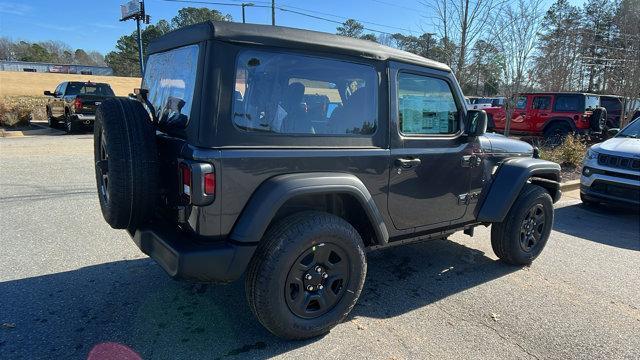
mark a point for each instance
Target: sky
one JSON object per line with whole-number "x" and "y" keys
{"x": 95, "y": 25}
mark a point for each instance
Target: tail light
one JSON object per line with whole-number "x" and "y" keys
{"x": 210, "y": 184}
{"x": 77, "y": 104}
{"x": 197, "y": 183}
{"x": 185, "y": 176}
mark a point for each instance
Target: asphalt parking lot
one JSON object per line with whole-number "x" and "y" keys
{"x": 69, "y": 282}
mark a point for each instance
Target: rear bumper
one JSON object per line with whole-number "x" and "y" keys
{"x": 86, "y": 117}
{"x": 183, "y": 258}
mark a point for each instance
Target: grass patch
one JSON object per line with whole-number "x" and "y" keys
{"x": 18, "y": 111}
{"x": 569, "y": 155}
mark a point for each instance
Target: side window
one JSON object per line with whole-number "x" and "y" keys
{"x": 60, "y": 88}
{"x": 426, "y": 106}
{"x": 542, "y": 102}
{"x": 521, "y": 103}
{"x": 296, "y": 94}
{"x": 568, "y": 103}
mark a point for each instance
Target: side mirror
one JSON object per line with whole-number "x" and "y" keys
{"x": 613, "y": 131}
{"x": 49, "y": 93}
{"x": 476, "y": 123}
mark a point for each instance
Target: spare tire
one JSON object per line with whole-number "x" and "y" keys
{"x": 598, "y": 119}
{"x": 126, "y": 162}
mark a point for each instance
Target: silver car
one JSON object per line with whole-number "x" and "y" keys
{"x": 611, "y": 170}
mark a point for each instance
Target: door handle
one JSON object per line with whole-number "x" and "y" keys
{"x": 407, "y": 163}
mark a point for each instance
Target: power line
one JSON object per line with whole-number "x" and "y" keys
{"x": 347, "y": 18}
{"x": 305, "y": 12}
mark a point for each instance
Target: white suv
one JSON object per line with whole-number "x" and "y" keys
{"x": 611, "y": 169}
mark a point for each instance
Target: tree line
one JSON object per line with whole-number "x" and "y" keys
{"x": 505, "y": 47}
{"x": 48, "y": 52}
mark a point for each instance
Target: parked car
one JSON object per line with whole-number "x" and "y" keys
{"x": 552, "y": 115}
{"x": 74, "y": 103}
{"x": 611, "y": 169}
{"x": 479, "y": 103}
{"x": 225, "y": 165}
{"x": 613, "y": 104}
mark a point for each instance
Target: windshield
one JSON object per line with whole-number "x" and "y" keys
{"x": 89, "y": 89}
{"x": 170, "y": 78}
{"x": 632, "y": 130}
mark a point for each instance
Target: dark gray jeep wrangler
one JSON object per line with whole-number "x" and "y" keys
{"x": 285, "y": 154}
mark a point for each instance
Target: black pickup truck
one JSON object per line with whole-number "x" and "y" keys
{"x": 285, "y": 154}
{"x": 74, "y": 103}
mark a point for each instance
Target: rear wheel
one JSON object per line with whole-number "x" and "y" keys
{"x": 306, "y": 275}
{"x": 71, "y": 126}
{"x": 51, "y": 121}
{"x": 556, "y": 133}
{"x": 526, "y": 228}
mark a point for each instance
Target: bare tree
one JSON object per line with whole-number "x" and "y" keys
{"x": 463, "y": 22}
{"x": 515, "y": 34}
{"x": 558, "y": 66}
{"x": 625, "y": 61}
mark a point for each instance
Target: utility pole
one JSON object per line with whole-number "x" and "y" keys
{"x": 273, "y": 12}
{"x": 134, "y": 9}
{"x": 243, "y": 6}
{"x": 140, "y": 54}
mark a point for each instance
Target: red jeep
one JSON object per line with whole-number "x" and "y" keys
{"x": 552, "y": 115}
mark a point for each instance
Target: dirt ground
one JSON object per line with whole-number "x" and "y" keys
{"x": 33, "y": 84}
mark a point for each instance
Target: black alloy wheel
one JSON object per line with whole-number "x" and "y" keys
{"x": 103, "y": 165}
{"x": 317, "y": 280}
{"x": 532, "y": 228}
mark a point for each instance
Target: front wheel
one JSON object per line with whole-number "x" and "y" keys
{"x": 306, "y": 275}
{"x": 526, "y": 228}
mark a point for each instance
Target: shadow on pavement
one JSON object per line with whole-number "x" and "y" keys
{"x": 605, "y": 225}
{"x": 134, "y": 303}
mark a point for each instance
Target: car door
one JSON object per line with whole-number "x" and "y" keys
{"x": 520, "y": 117}
{"x": 430, "y": 157}
{"x": 57, "y": 104}
{"x": 540, "y": 109}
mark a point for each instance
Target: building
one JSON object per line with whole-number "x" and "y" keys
{"x": 54, "y": 68}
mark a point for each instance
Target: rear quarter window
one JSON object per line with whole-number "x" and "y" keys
{"x": 569, "y": 103}
{"x": 170, "y": 78}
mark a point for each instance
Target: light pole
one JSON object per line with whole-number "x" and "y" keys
{"x": 243, "y": 6}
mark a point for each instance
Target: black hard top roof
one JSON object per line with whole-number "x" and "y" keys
{"x": 86, "y": 82}
{"x": 284, "y": 37}
{"x": 559, "y": 93}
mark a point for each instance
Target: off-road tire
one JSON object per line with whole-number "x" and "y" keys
{"x": 598, "y": 119}
{"x": 556, "y": 133}
{"x": 71, "y": 126}
{"x": 506, "y": 236}
{"x": 279, "y": 249}
{"x": 124, "y": 141}
{"x": 51, "y": 121}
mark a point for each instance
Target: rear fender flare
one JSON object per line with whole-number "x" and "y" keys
{"x": 555, "y": 120}
{"x": 273, "y": 193}
{"x": 509, "y": 180}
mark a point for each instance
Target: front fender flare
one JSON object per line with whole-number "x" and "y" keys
{"x": 273, "y": 193}
{"x": 508, "y": 182}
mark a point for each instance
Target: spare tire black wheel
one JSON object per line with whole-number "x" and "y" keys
{"x": 598, "y": 119}
{"x": 126, "y": 159}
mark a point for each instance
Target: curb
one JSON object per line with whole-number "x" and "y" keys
{"x": 8, "y": 134}
{"x": 570, "y": 185}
